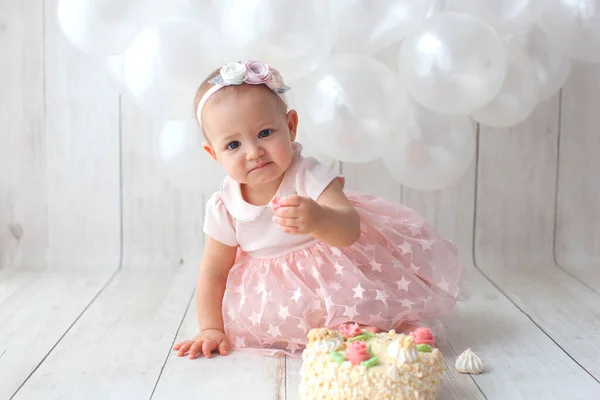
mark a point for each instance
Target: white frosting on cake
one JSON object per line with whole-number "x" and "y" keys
{"x": 402, "y": 352}
{"x": 327, "y": 345}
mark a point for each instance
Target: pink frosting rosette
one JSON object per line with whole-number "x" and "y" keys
{"x": 350, "y": 330}
{"x": 423, "y": 336}
{"x": 357, "y": 351}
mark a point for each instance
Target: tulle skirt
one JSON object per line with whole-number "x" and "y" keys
{"x": 400, "y": 270}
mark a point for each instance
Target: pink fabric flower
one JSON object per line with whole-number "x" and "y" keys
{"x": 350, "y": 330}
{"x": 257, "y": 72}
{"x": 423, "y": 336}
{"x": 357, "y": 351}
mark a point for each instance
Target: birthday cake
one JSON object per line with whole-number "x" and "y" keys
{"x": 355, "y": 363}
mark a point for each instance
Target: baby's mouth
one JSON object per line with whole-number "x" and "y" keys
{"x": 260, "y": 166}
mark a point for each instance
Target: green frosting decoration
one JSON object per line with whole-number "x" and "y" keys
{"x": 362, "y": 337}
{"x": 338, "y": 356}
{"x": 424, "y": 348}
{"x": 368, "y": 334}
{"x": 371, "y": 362}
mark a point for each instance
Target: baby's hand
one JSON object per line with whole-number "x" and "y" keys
{"x": 205, "y": 342}
{"x": 298, "y": 215}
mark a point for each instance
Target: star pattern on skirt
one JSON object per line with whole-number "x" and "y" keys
{"x": 274, "y": 330}
{"x": 255, "y": 318}
{"x": 375, "y": 266}
{"x": 373, "y": 319}
{"x": 406, "y": 248}
{"x": 283, "y": 312}
{"x": 240, "y": 341}
{"x": 297, "y": 295}
{"x": 350, "y": 312}
{"x": 329, "y": 303}
{"x": 358, "y": 291}
{"x": 293, "y": 346}
{"x": 382, "y": 295}
{"x": 426, "y": 244}
{"x": 403, "y": 284}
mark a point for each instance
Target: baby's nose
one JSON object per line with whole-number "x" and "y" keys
{"x": 254, "y": 151}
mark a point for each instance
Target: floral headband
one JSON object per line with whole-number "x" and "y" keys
{"x": 251, "y": 72}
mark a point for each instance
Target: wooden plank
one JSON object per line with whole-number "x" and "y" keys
{"x": 117, "y": 348}
{"x": 162, "y": 223}
{"x": 292, "y": 378}
{"x": 516, "y": 191}
{"x": 236, "y": 376}
{"x": 514, "y": 234}
{"x": 23, "y": 215}
{"x": 82, "y": 154}
{"x": 36, "y": 309}
{"x": 577, "y": 244}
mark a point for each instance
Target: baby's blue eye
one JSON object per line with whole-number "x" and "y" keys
{"x": 264, "y": 133}
{"x": 233, "y": 145}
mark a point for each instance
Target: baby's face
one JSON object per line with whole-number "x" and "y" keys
{"x": 250, "y": 133}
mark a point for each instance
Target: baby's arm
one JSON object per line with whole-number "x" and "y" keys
{"x": 331, "y": 219}
{"x": 216, "y": 262}
{"x": 339, "y": 224}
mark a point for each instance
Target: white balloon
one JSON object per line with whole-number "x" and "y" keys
{"x": 350, "y": 106}
{"x": 389, "y": 56}
{"x": 439, "y": 6}
{"x": 433, "y": 152}
{"x": 574, "y": 27}
{"x": 551, "y": 66}
{"x": 367, "y": 27}
{"x": 181, "y": 159}
{"x": 507, "y": 16}
{"x": 165, "y": 64}
{"x": 308, "y": 148}
{"x": 102, "y": 27}
{"x": 293, "y": 36}
{"x": 518, "y": 96}
{"x": 454, "y": 63}
{"x": 203, "y": 11}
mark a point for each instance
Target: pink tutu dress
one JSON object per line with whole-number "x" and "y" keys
{"x": 282, "y": 285}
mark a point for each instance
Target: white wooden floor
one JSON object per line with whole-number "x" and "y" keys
{"x": 74, "y": 335}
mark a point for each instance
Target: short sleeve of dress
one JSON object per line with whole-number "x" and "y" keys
{"x": 313, "y": 177}
{"x": 218, "y": 224}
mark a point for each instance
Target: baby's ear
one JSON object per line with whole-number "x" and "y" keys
{"x": 209, "y": 149}
{"x": 292, "y": 121}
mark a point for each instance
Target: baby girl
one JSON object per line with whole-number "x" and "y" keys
{"x": 287, "y": 249}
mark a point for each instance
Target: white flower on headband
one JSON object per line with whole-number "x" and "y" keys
{"x": 233, "y": 73}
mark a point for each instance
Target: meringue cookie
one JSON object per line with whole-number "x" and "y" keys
{"x": 469, "y": 363}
